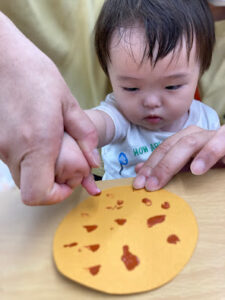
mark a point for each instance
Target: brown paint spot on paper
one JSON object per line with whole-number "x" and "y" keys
{"x": 155, "y": 220}
{"x": 90, "y": 228}
{"x": 147, "y": 201}
{"x": 119, "y": 202}
{"x": 173, "y": 239}
{"x": 110, "y": 195}
{"x": 120, "y": 221}
{"x": 111, "y": 207}
{"x": 94, "y": 270}
{"x": 165, "y": 205}
{"x": 83, "y": 214}
{"x": 70, "y": 245}
{"x": 114, "y": 207}
{"x": 130, "y": 260}
{"x": 93, "y": 248}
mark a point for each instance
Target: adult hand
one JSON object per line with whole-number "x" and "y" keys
{"x": 36, "y": 107}
{"x": 72, "y": 167}
{"x": 204, "y": 146}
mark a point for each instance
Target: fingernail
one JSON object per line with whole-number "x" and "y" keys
{"x": 198, "y": 167}
{"x": 146, "y": 171}
{"x": 96, "y": 157}
{"x": 152, "y": 183}
{"x": 139, "y": 182}
{"x": 98, "y": 192}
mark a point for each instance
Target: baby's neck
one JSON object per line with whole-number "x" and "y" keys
{"x": 177, "y": 125}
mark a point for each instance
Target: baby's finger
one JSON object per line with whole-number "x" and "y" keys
{"x": 71, "y": 166}
{"x": 90, "y": 186}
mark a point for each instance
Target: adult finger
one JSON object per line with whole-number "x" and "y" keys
{"x": 178, "y": 156}
{"x": 37, "y": 183}
{"x": 164, "y": 156}
{"x": 80, "y": 127}
{"x": 138, "y": 167}
{"x": 210, "y": 154}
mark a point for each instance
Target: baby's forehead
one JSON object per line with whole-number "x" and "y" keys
{"x": 131, "y": 39}
{"x": 132, "y": 43}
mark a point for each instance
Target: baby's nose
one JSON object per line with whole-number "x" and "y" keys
{"x": 152, "y": 101}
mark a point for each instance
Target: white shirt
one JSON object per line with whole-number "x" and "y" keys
{"x": 133, "y": 144}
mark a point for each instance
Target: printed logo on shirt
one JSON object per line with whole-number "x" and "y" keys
{"x": 123, "y": 160}
{"x": 144, "y": 149}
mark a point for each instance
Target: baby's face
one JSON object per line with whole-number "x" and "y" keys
{"x": 154, "y": 97}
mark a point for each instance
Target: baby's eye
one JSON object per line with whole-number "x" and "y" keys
{"x": 173, "y": 87}
{"x": 133, "y": 89}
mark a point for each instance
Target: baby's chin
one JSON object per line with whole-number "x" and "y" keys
{"x": 174, "y": 127}
{"x": 158, "y": 124}
{"x": 151, "y": 127}
{"x": 151, "y": 124}
{"x": 177, "y": 125}
{"x": 163, "y": 126}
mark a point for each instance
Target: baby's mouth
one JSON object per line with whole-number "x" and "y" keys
{"x": 153, "y": 119}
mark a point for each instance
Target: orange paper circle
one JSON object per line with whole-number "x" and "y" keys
{"x": 125, "y": 241}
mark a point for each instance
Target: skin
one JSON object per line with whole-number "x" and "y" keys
{"x": 154, "y": 97}
{"x": 36, "y": 107}
{"x": 34, "y": 145}
{"x": 205, "y": 147}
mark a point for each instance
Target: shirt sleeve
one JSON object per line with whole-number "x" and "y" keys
{"x": 212, "y": 118}
{"x": 203, "y": 116}
{"x": 109, "y": 106}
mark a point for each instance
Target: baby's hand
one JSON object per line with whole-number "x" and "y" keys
{"x": 72, "y": 167}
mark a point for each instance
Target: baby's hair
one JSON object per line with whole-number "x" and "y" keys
{"x": 165, "y": 22}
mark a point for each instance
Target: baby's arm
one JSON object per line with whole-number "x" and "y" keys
{"x": 104, "y": 126}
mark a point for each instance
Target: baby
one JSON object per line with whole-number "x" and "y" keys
{"x": 154, "y": 52}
